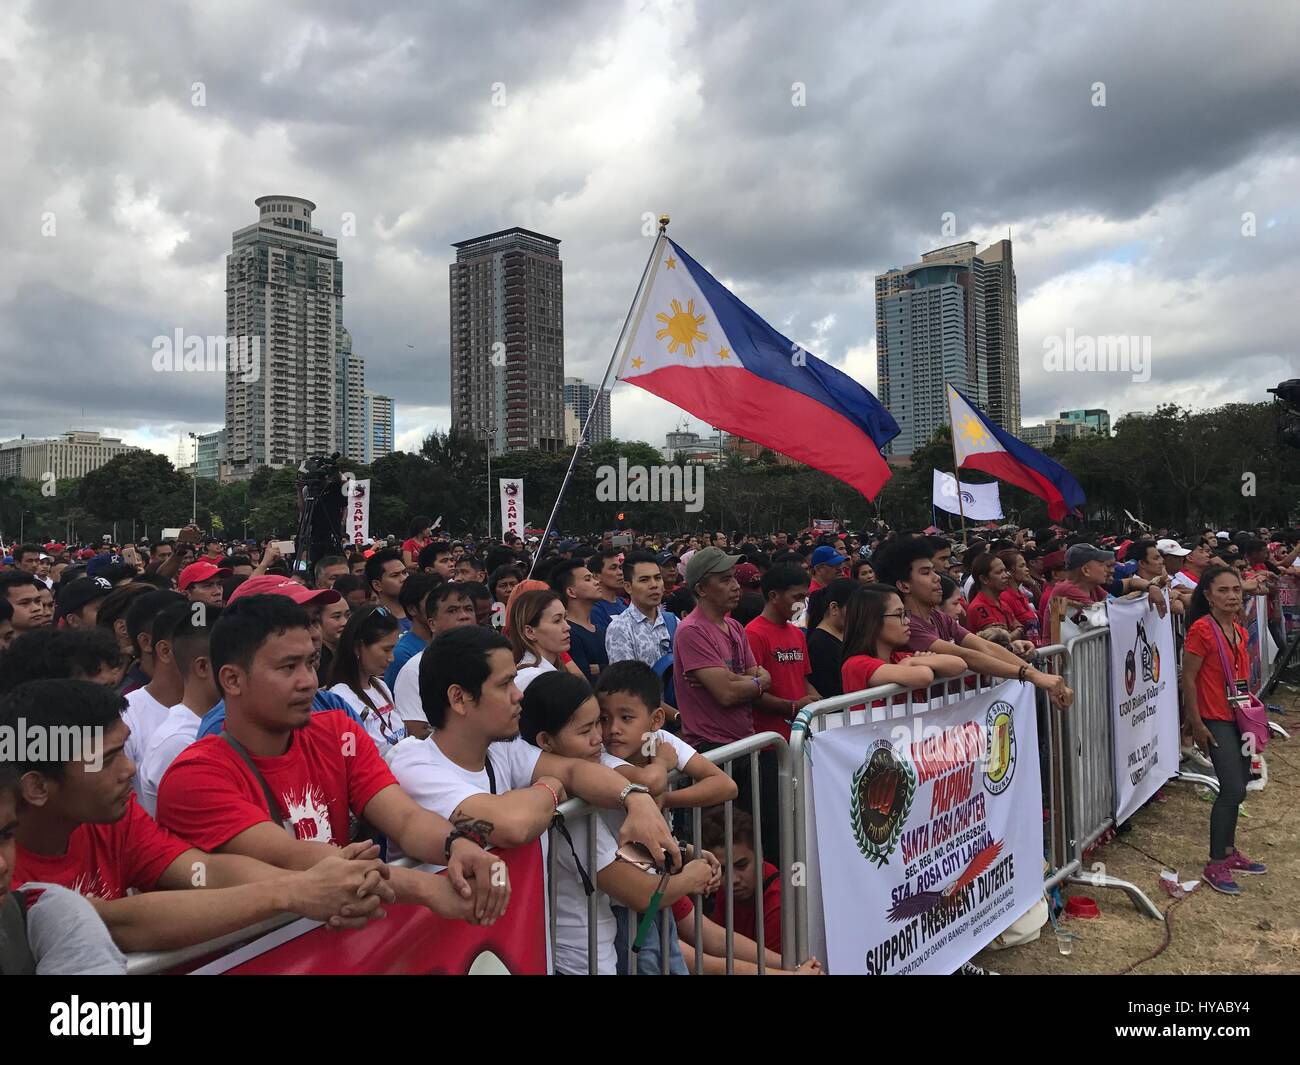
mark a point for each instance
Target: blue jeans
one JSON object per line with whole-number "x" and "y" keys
{"x": 648, "y": 958}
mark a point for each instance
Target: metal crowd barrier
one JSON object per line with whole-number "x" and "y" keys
{"x": 836, "y": 712}
{"x": 578, "y": 812}
{"x": 1089, "y": 762}
{"x": 153, "y": 962}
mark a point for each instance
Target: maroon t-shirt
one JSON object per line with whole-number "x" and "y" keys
{"x": 699, "y": 644}
{"x": 938, "y": 626}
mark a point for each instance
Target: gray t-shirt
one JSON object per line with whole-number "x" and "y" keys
{"x": 67, "y": 936}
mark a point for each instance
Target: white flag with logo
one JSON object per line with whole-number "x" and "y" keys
{"x": 981, "y": 502}
{"x": 358, "y": 519}
{"x": 512, "y": 506}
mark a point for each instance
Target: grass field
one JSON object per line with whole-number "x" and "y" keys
{"x": 1255, "y": 933}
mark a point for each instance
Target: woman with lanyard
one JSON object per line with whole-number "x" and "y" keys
{"x": 357, "y": 673}
{"x": 538, "y": 629}
{"x": 1215, "y": 671}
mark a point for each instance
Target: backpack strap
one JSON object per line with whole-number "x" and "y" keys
{"x": 16, "y": 957}
{"x": 272, "y": 806}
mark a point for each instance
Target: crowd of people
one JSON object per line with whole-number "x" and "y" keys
{"x": 276, "y": 736}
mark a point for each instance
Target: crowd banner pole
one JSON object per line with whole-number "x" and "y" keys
{"x": 624, "y": 336}
{"x": 956, "y": 470}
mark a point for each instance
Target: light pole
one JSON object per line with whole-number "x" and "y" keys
{"x": 491, "y": 440}
{"x": 194, "y": 509}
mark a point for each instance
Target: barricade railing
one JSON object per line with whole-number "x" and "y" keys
{"x": 748, "y": 751}
{"x": 898, "y": 702}
{"x": 1090, "y": 762}
{"x": 574, "y": 811}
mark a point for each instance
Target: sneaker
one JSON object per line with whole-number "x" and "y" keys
{"x": 1219, "y": 877}
{"x": 1191, "y": 754}
{"x": 1239, "y": 863}
{"x": 971, "y": 969}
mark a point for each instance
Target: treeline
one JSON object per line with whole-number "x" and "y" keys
{"x": 1173, "y": 468}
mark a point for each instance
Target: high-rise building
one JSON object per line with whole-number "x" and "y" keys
{"x": 1096, "y": 417}
{"x": 380, "y": 427}
{"x": 74, "y": 454}
{"x": 951, "y": 318}
{"x": 578, "y": 397}
{"x": 507, "y": 340}
{"x": 349, "y": 400}
{"x": 210, "y": 455}
{"x": 284, "y": 296}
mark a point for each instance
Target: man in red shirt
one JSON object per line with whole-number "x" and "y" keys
{"x": 420, "y": 538}
{"x": 1086, "y": 570}
{"x": 281, "y": 783}
{"x": 782, "y": 649}
{"x": 826, "y": 565}
{"x": 81, "y": 828}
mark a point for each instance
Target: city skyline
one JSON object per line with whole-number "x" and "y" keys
{"x": 1161, "y": 209}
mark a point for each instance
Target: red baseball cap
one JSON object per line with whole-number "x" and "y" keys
{"x": 273, "y": 584}
{"x": 747, "y": 575}
{"x": 86, "y": 552}
{"x": 195, "y": 572}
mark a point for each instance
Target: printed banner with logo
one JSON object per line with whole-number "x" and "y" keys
{"x": 512, "y": 506}
{"x": 1144, "y": 702}
{"x": 981, "y": 502}
{"x": 358, "y": 514}
{"x": 927, "y": 833}
{"x": 411, "y": 940}
{"x": 1259, "y": 642}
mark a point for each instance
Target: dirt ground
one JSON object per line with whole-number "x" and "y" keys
{"x": 1258, "y": 932}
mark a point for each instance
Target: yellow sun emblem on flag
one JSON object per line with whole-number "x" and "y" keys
{"x": 682, "y": 328}
{"x": 973, "y": 431}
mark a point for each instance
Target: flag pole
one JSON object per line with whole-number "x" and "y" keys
{"x": 635, "y": 307}
{"x": 956, "y": 470}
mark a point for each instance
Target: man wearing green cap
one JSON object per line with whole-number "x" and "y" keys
{"x": 717, "y": 679}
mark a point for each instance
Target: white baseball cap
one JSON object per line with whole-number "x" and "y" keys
{"x": 1171, "y": 547}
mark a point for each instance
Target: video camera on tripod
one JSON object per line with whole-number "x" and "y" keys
{"x": 320, "y": 509}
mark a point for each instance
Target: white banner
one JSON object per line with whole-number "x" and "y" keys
{"x": 512, "y": 506}
{"x": 981, "y": 502}
{"x": 1144, "y": 702}
{"x": 357, "y": 521}
{"x": 928, "y": 834}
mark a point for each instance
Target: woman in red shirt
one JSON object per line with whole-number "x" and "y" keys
{"x": 1210, "y": 717}
{"x": 876, "y": 631}
{"x": 991, "y": 579}
{"x": 1018, "y": 606}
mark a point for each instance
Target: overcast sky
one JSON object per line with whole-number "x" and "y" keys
{"x": 431, "y": 123}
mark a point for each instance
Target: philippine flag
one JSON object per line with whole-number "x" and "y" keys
{"x": 982, "y": 445}
{"x": 697, "y": 346}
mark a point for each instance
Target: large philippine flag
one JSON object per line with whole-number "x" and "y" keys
{"x": 701, "y": 349}
{"x": 982, "y": 445}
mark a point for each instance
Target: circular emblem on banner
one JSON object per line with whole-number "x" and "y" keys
{"x": 1000, "y": 762}
{"x": 512, "y": 488}
{"x": 879, "y": 801}
{"x": 1130, "y": 672}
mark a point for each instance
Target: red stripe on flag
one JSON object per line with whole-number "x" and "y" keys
{"x": 775, "y": 417}
{"x": 1005, "y": 467}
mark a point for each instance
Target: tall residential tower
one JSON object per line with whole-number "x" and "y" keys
{"x": 951, "y": 318}
{"x": 507, "y": 340}
{"x": 284, "y": 297}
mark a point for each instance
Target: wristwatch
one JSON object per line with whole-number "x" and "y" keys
{"x": 628, "y": 790}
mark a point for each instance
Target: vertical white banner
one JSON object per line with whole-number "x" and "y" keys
{"x": 1144, "y": 702}
{"x": 929, "y": 833}
{"x": 358, "y": 513}
{"x": 512, "y": 506}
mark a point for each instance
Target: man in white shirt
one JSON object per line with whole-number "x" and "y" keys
{"x": 448, "y": 608}
{"x": 147, "y": 707}
{"x": 476, "y": 771}
{"x": 180, "y": 728}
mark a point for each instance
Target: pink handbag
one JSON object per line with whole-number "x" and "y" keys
{"x": 1252, "y": 716}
